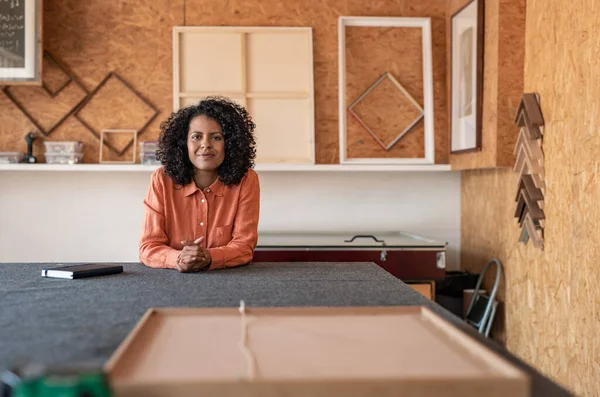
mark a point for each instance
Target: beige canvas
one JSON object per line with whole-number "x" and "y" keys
{"x": 267, "y": 70}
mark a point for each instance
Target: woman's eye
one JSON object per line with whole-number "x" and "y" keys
{"x": 218, "y": 138}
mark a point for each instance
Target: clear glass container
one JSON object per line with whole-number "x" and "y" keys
{"x": 64, "y": 158}
{"x": 69, "y": 147}
{"x": 11, "y": 157}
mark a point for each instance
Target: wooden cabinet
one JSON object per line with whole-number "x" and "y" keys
{"x": 427, "y": 289}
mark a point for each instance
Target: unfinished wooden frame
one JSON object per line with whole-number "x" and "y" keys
{"x": 529, "y": 164}
{"x": 427, "y": 108}
{"x": 307, "y": 351}
{"x": 395, "y": 82}
{"x": 21, "y": 45}
{"x": 133, "y": 144}
{"x": 268, "y": 70}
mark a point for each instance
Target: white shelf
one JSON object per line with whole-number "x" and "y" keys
{"x": 258, "y": 168}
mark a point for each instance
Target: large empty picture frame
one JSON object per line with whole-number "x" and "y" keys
{"x": 384, "y": 94}
{"x": 294, "y": 352}
{"x": 268, "y": 70}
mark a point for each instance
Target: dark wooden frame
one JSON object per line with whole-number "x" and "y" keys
{"x": 39, "y": 51}
{"x": 529, "y": 164}
{"x": 479, "y": 79}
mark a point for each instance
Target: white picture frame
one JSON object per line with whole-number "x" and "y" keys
{"x": 408, "y": 22}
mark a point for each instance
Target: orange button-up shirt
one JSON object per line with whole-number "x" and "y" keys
{"x": 226, "y": 216}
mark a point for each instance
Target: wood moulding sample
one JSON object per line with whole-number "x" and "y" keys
{"x": 529, "y": 165}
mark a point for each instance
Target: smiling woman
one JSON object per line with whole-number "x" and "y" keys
{"x": 202, "y": 206}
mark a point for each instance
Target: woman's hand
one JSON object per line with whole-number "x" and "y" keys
{"x": 193, "y": 257}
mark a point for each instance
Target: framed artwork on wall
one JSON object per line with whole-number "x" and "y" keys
{"x": 21, "y": 42}
{"x": 467, "y": 26}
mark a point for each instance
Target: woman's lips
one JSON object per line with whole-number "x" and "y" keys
{"x": 206, "y": 155}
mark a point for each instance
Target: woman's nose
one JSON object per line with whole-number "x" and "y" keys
{"x": 205, "y": 143}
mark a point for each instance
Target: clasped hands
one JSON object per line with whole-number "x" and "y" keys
{"x": 193, "y": 258}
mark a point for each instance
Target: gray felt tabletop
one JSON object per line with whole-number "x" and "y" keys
{"x": 83, "y": 321}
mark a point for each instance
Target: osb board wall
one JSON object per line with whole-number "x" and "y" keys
{"x": 136, "y": 43}
{"x": 370, "y": 52}
{"x": 504, "y": 45}
{"x": 511, "y": 59}
{"x": 323, "y": 16}
{"x": 91, "y": 39}
{"x": 551, "y": 297}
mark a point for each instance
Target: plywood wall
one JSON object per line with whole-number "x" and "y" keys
{"x": 93, "y": 38}
{"x": 504, "y": 52}
{"x": 551, "y": 298}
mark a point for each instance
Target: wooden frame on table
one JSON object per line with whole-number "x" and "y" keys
{"x": 268, "y": 70}
{"x": 378, "y": 22}
{"x": 168, "y": 353}
{"x": 21, "y": 42}
{"x": 466, "y": 77}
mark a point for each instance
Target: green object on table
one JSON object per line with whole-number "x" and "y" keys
{"x": 62, "y": 385}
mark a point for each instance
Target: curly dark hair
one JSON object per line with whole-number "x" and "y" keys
{"x": 237, "y": 127}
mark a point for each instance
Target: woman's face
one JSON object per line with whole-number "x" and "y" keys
{"x": 205, "y": 144}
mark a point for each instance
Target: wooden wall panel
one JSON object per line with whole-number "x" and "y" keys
{"x": 551, "y": 297}
{"x": 323, "y": 16}
{"x": 504, "y": 50}
{"x": 511, "y": 58}
{"x": 93, "y": 38}
{"x": 134, "y": 38}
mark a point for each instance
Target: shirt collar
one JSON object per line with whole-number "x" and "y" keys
{"x": 216, "y": 187}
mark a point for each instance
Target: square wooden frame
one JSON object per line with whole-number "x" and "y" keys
{"x": 478, "y": 77}
{"x": 244, "y": 96}
{"x": 133, "y": 145}
{"x": 501, "y": 378}
{"x": 425, "y": 25}
{"x": 33, "y": 47}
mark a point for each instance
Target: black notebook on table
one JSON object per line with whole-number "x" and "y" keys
{"x": 82, "y": 271}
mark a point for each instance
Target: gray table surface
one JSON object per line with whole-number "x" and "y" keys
{"x": 83, "y": 321}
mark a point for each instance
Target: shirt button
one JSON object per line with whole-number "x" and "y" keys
{"x": 203, "y": 200}
{"x": 208, "y": 190}
{"x": 201, "y": 223}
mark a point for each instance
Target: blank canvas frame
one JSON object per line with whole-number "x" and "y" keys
{"x": 268, "y": 70}
{"x": 378, "y": 22}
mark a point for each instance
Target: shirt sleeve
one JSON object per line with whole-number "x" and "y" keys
{"x": 154, "y": 250}
{"x": 240, "y": 249}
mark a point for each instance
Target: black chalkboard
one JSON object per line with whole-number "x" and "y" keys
{"x": 12, "y": 33}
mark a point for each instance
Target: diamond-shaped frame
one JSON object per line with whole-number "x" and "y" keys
{"x": 22, "y": 109}
{"x": 134, "y": 91}
{"x": 384, "y": 76}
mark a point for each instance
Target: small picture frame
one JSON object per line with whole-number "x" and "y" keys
{"x": 467, "y": 35}
{"x": 103, "y": 133}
